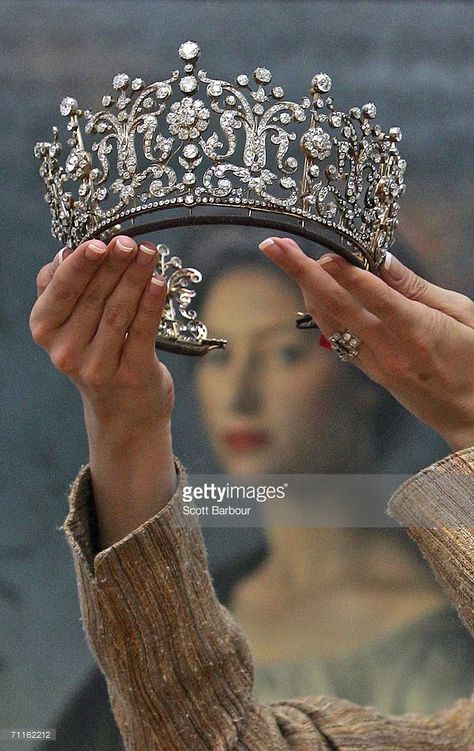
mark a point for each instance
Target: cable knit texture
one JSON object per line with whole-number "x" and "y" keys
{"x": 178, "y": 668}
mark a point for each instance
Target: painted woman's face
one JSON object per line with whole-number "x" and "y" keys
{"x": 264, "y": 397}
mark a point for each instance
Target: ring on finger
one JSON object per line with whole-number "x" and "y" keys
{"x": 345, "y": 344}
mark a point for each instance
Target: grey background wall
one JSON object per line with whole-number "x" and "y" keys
{"x": 413, "y": 59}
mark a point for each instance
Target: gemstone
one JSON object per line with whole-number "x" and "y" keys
{"x": 259, "y": 95}
{"x": 68, "y": 105}
{"x": 395, "y": 134}
{"x": 137, "y": 84}
{"x": 369, "y": 110}
{"x": 259, "y": 109}
{"x": 262, "y": 75}
{"x": 287, "y": 182}
{"x": 336, "y": 121}
{"x": 278, "y": 92}
{"x": 188, "y": 84}
{"x": 299, "y": 114}
{"x": 355, "y": 113}
{"x": 314, "y": 170}
{"x": 189, "y": 51}
{"x": 285, "y": 117}
{"x": 214, "y": 89}
{"x": 106, "y": 100}
{"x": 230, "y": 100}
{"x": 321, "y": 82}
{"x": 190, "y": 151}
{"x": 292, "y": 163}
{"x": 242, "y": 80}
{"x": 163, "y": 90}
{"x": 189, "y": 178}
{"x": 121, "y": 81}
{"x": 189, "y": 199}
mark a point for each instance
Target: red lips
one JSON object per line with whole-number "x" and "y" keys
{"x": 245, "y": 440}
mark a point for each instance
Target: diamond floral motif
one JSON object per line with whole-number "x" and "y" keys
{"x": 188, "y": 118}
{"x": 317, "y": 143}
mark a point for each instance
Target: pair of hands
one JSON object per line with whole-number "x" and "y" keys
{"x": 97, "y": 314}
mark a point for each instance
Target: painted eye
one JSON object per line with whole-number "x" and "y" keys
{"x": 290, "y": 353}
{"x": 217, "y": 357}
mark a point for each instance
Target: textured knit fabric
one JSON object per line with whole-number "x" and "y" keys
{"x": 178, "y": 668}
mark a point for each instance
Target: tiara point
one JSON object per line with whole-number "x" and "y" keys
{"x": 189, "y": 51}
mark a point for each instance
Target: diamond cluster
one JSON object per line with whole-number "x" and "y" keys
{"x": 192, "y": 140}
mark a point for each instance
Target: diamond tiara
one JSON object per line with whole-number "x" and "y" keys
{"x": 239, "y": 152}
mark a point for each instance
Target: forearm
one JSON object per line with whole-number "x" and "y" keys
{"x": 132, "y": 471}
{"x": 178, "y": 669}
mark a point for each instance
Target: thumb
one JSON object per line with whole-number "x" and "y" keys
{"x": 414, "y": 287}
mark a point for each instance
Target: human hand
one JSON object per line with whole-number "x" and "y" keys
{"x": 417, "y": 338}
{"x": 96, "y": 315}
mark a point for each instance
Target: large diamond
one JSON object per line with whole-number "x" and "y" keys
{"x": 188, "y": 84}
{"x": 242, "y": 80}
{"x": 67, "y": 105}
{"x": 190, "y": 151}
{"x": 369, "y": 110}
{"x": 120, "y": 81}
{"x": 262, "y": 75}
{"x": 189, "y": 51}
{"x": 321, "y": 82}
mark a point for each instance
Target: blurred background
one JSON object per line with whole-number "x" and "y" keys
{"x": 414, "y": 60}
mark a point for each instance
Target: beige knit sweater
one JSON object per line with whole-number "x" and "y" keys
{"x": 178, "y": 668}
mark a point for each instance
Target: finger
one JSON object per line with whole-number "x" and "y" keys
{"x": 395, "y": 311}
{"x": 57, "y": 301}
{"x": 365, "y": 359}
{"x": 46, "y": 273}
{"x": 324, "y": 297}
{"x": 121, "y": 308}
{"x": 86, "y": 316}
{"x": 139, "y": 346}
{"x": 414, "y": 287}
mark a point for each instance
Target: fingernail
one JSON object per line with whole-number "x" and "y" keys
{"x": 145, "y": 255}
{"x": 330, "y": 262}
{"x": 95, "y": 249}
{"x": 270, "y": 248}
{"x": 392, "y": 267}
{"x": 125, "y": 244}
{"x": 64, "y": 253}
{"x": 157, "y": 283}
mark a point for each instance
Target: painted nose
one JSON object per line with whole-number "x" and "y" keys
{"x": 247, "y": 398}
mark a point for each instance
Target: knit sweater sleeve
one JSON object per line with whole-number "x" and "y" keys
{"x": 178, "y": 669}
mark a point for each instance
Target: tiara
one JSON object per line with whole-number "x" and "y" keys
{"x": 193, "y": 150}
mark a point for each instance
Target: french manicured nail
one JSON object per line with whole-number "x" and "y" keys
{"x": 125, "y": 244}
{"x": 330, "y": 262}
{"x": 157, "y": 283}
{"x": 145, "y": 255}
{"x": 271, "y": 248}
{"x": 95, "y": 249}
{"x": 393, "y": 268}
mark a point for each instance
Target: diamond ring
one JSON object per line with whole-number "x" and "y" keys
{"x": 345, "y": 344}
